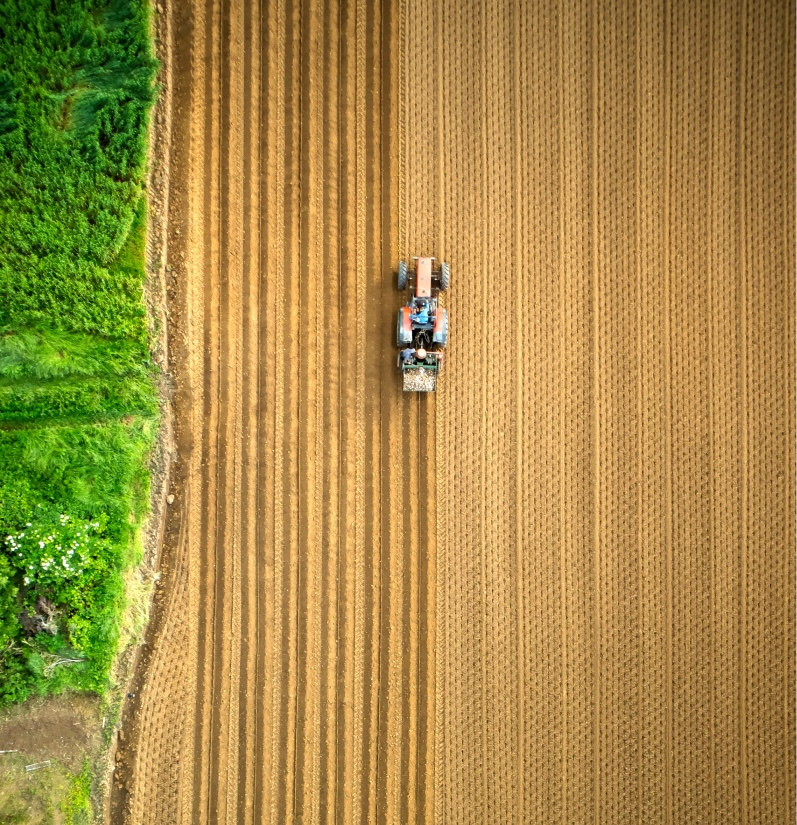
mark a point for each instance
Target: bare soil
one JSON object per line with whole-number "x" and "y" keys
{"x": 60, "y": 727}
{"x": 561, "y": 589}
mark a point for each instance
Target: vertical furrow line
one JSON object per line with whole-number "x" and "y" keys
{"x": 378, "y": 554}
{"x": 317, "y": 275}
{"x": 711, "y": 431}
{"x": 281, "y": 27}
{"x": 414, "y": 530}
{"x": 242, "y": 799}
{"x": 596, "y": 417}
{"x": 483, "y": 188}
{"x": 436, "y": 780}
{"x": 329, "y": 428}
{"x": 275, "y": 251}
{"x": 668, "y": 481}
{"x": 518, "y": 263}
{"x": 231, "y": 630}
{"x": 362, "y": 736}
{"x": 349, "y": 751}
{"x": 640, "y": 409}
{"x": 787, "y": 229}
{"x": 432, "y": 688}
{"x": 208, "y": 527}
{"x": 265, "y": 530}
{"x": 226, "y": 398}
{"x": 564, "y": 326}
{"x": 310, "y": 268}
{"x": 296, "y": 283}
{"x": 338, "y": 508}
{"x": 743, "y": 468}
{"x": 398, "y": 540}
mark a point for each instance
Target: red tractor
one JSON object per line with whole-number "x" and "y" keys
{"x": 422, "y": 328}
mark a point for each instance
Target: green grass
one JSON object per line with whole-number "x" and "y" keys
{"x": 78, "y": 405}
{"x": 77, "y": 805}
{"x": 44, "y": 797}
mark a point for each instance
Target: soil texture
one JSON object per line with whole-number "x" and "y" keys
{"x": 561, "y": 589}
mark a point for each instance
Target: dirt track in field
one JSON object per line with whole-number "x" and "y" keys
{"x": 562, "y": 590}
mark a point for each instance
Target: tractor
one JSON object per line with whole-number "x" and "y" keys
{"x": 422, "y": 326}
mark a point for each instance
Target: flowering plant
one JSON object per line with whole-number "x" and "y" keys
{"x": 54, "y": 548}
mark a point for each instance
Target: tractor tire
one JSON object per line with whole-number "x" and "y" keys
{"x": 441, "y": 336}
{"x": 445, "y": 276}
{"x": 402, "y": 275}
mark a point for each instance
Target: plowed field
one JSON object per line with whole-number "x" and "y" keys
{"x": 561, "y": 590}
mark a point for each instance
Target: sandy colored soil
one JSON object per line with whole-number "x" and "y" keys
{"x": 562, "y": 589}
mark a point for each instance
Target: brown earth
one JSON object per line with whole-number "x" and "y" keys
{"x": 562, "y": 589}
{"x": 60, "y": 727}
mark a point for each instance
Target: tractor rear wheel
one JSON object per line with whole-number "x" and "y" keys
{"x": 402, "y": 275}
{"x": 441, "y": 336}
{"x": 445, "y": 276}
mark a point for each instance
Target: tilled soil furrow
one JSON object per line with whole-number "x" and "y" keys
{"x": 348, "y": 525}
{"x": 690, "y": 419}
{"x": 311, "y": 310}
{"x": 372, "y": 553}
{"x": 332, "y": 330}
{"x": 641, "y": 402}
{"x": 617, "y": 438}
{"x": 241, "y": 784}
{"x": 207, "y": 341}
{"x": 232, "y": 267}
{"x": 649, "y": 368}
{"x": 267, "y": 263}
{"x": 515, "y": 231}
{"x": 274, "y": 261}
{"x": 398, "y": 445}
{"x": 501, "y": 660}
{"x": 543, "y": 385}
{"x": 789, "y": 210}
{"x": 724, "y": 418}
{"x": 764, "y": 158}
{"x": 294, "y": 359}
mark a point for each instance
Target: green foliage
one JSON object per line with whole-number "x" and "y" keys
{"x": 9, "y": 626}
{"x": 76, "y": 807}
{"x": 77, "y": 87}
{"x": 17, "y": 501}
{"x": 76, "y": 398}
{"x": 78, "y": 406}
{"x": 54, "y": 549}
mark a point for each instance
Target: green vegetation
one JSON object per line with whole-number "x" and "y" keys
{"x": 44, "y": 797}
{"x": 78, "y": 405}
{"x": 77, "y": 805}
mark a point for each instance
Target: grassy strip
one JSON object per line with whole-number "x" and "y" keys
{"x": 64, "y": 399}
{"x": 78, "y": 406}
